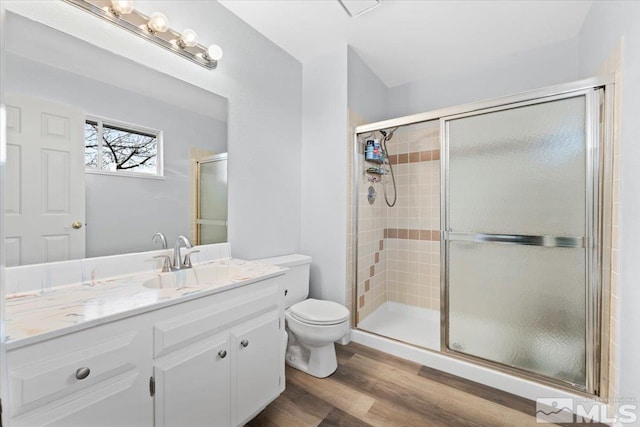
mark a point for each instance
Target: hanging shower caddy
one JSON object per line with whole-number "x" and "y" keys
{"x": 374, "y": 153}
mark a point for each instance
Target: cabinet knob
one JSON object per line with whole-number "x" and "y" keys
{"x": 244, "y": 343}
{"x": 82, "y": 373}
{"x": 222, "y": 354}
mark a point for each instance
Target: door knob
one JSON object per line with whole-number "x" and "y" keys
{"x": 244, "y": 343}
{"x": 222, "y": 354}
{"x": 76, "y": 225}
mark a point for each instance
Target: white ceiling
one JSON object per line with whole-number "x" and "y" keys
{"x": 403, "y": 40}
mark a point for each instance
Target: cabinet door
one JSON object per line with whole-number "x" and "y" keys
{"x": 257, "y": 347}
{"x": 193, "y": 385}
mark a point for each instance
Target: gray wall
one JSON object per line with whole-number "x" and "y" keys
{"x": 331, "y": 85}
{"x": 122, "y": 213}
{"x": 367, "y": 95}
{"x": 264, "y": 87}
{"x": 516, "y": 73}
{"x": 324, "y": 172}
{"x": 605, "y": 25}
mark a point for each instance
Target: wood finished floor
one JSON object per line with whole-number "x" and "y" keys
{"x": 371, "y": 388}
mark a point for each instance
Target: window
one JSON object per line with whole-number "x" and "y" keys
{"x": 121, "y": 149}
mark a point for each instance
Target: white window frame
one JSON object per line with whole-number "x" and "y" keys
{"x": 133, "y": 128}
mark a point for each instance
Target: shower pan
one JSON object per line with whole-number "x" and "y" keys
{"x": 524, "y": 235}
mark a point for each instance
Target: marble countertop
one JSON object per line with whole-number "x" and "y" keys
{"x": 39, "y": 315}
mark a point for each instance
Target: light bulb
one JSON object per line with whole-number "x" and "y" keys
{"x": 214, "y": 52}
{"x": 122, "y": 7}
{"x": 158, "y": 23}
{"x": 188, "y": 38}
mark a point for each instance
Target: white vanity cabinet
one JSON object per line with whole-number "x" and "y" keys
{"x": 223, "y": 380}
{"x": 211, "y": 361}
{"x": 220, "y": 362}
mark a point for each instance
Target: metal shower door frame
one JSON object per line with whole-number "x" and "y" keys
{"x": 198, "y": 220}
{"x": 596, "y": 279}
{"x": 601, "y": 201}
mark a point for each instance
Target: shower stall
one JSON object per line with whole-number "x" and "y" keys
{"x": 497, "y": 248}
{"x": 400, "y": 277}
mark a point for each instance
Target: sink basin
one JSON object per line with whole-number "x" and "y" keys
{"x": 200, "y": 276}
{"x": 173, "y": 280}
{"x": 211, "y": 274}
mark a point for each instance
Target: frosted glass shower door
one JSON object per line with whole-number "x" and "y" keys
{"x": 212, "y": 200}
{"x": 516, "y": 223}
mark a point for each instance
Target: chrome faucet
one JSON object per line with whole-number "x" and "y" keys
{"x": 163, "y": 240}
{"x": 166, "y": 265}
{"x": 178, "y": 263}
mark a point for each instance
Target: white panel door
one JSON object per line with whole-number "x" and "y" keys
{"x": 258, "y": 364}
{"x": 45, "y": 191}
{"x": 193, "y": 385}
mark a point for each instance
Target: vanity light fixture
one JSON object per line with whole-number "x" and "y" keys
{"x": 189, "y": 38}
{"x": 158, "y": 23}
{"x": 154, "y": 28}
{"x": 121, "y": 7}
{"x": 214, "y": 52}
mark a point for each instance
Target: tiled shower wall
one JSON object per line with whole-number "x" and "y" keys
{"x": 412, "y": 233}
{"x": 612, "y": 66}
{"x": 398, "y": 247}
{"x": 371, "y": 275}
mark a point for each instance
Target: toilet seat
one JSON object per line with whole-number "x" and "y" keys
{"x": 317, "y": 312}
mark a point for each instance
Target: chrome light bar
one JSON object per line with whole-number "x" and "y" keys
{"x": 153, "y": 29}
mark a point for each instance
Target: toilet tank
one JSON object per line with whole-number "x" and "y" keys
{"x": 296, "y": 280}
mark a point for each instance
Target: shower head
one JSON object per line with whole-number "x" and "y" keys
{"x": 387, "y": 134}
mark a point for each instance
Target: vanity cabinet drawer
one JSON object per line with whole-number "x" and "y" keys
{"x": 212, "y": 315}
{"x": 51, "y": 370}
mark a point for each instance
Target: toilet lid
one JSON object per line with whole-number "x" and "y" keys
{"x": 319, "y": 312}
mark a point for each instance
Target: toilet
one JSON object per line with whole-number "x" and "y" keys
{"x": 312, "y": 325}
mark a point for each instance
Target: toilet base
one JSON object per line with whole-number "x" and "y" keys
{"x": 317, "y": 361}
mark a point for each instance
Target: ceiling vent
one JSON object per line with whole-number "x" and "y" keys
{"x": 356, "y": 8}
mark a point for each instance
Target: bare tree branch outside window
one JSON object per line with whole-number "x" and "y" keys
{"x": 120, "y": 149}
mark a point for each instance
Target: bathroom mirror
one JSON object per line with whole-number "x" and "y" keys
{"x": 102, "y": 152}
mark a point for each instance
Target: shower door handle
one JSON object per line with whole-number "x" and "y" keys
{"x": 518, "y": 239}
